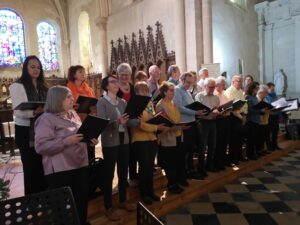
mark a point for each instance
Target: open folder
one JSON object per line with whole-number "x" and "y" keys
{"x": 85, "y": 103}
{"x": 161, "y": 118}
{"x": 136, "y": 106}
{"x": 226, "y": 106}
{"x": 92, "y": 127}
{"x": 292, "y": 105}
{"x": 196, "y": 106}
{"x": 30, "y": 105}
{"x": 263, "y": 105}
{"x": 238, "y": 104}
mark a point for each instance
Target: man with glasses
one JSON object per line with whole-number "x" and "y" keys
{"x": 207, "y": 127}
{"x": 183, "y": 98}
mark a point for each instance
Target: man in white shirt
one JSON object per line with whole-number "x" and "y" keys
{"x": 207, "y": 127}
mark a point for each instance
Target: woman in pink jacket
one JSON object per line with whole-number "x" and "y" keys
{"x": 65, "y": 158}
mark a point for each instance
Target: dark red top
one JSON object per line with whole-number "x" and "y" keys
{"x": 126, "y": 96}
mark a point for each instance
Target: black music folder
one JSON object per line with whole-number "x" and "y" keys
{"x": 30, "y": 105}
{"x": 225, "y": 107}
{"x": 196, "y": 106}
{"x": 238, "y": 104}
{"x": 263, "y": 105}
{"x": 92, "y": 127}
{"x": 160, "y": 119}
{"x": 136, "y": 106}
{"x": 85, "y": 103}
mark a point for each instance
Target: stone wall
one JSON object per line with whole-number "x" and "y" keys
{"x": 279, "y": 26}
{"x": 235, "y": 37}
{"x": 33, "y": 12}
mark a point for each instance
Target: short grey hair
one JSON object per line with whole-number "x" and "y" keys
{"x": 172, "y": 69}
{"x": 55, "y": 97}
{"x": 124, "y": 68}
{"x": 151, "y": 68}
{"x": 262, "y": 88}
{"x": 208, "y": 81}
{"x": 220, "y": 79}
{"x": 201, "y": 71}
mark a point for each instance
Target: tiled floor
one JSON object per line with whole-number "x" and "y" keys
{"x": 268, "y": 196}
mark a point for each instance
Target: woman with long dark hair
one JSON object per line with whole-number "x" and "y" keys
{"x": 30, "y": 87}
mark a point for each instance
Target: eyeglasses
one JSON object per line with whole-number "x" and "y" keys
{"x": 211, "y": 86}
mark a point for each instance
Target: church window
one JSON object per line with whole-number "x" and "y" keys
{"x": 47, "y": 44}
{"x": 12, "y": 44}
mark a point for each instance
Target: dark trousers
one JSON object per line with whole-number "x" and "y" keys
{"x": 77, "y": 180}
{"x": 222, "y": 141}
{"x": 208, "y": 134}
{"x": 172, "y": 161}
{"x": 133, "y": 175}
{"x": 253, "y": 143}
{"x": 189, "y": 146}
{"x": 274, "y": 130}
{"x": 33, "y": 171}
{"x": 112, "y": 155}
{"x": 264, "y": 137}
{"x": 146, "y": 151}
{"x": 237, "y": 136}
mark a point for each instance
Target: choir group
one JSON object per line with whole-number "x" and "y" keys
{"x": 54, "y": 155}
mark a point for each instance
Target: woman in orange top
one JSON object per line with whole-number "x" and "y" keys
{"x": 77, "y": 83}
{"x": 78, "y": 86}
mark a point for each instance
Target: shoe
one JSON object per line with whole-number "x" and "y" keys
{"x": 175, "y": 189}
{"x": 184, "y": 183}
{"x": 221, "y": 168}
{"x": 212, "y": 169}
{"x": 278, "y": 148}
{"x": 127, "y": 206}
{"x": 147, "y": 200}
{"x": 155, "y": 198}
{"x": 111, "y": 215}
{"x": 198, "y": 177}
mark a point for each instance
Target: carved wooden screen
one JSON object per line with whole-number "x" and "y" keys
{"x": 142, "y": 53}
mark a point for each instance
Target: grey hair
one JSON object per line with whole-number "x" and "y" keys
{"x": 151, "y": 68}
{"x": 185, "y": 75}
{"x": 209, "y": 80}
{"x": 200, "y": 72}
{"x": 55, "y": 97}
{"x": 124, "y": 68}
{"x": 172, "y": 69}
{"x": 237, "y": 76}
{"x": 220, "y": 79}
{"x": 262, "y": 88}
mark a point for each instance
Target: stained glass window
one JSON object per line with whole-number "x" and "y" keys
{"x": 12, "y": 45}
{"x": 47, "y": 43}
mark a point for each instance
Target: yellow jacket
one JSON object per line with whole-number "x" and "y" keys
{"x": 145, "y": 131}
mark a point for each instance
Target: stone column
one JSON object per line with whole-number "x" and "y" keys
{"x": 268, "y": 53}
{"x": 102, "y": 24}
{"x": 207, "y": 32}
{"x": 180, "y": 43}
{"x": 259, "y": 8}
{"x": 297, "y": 55}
